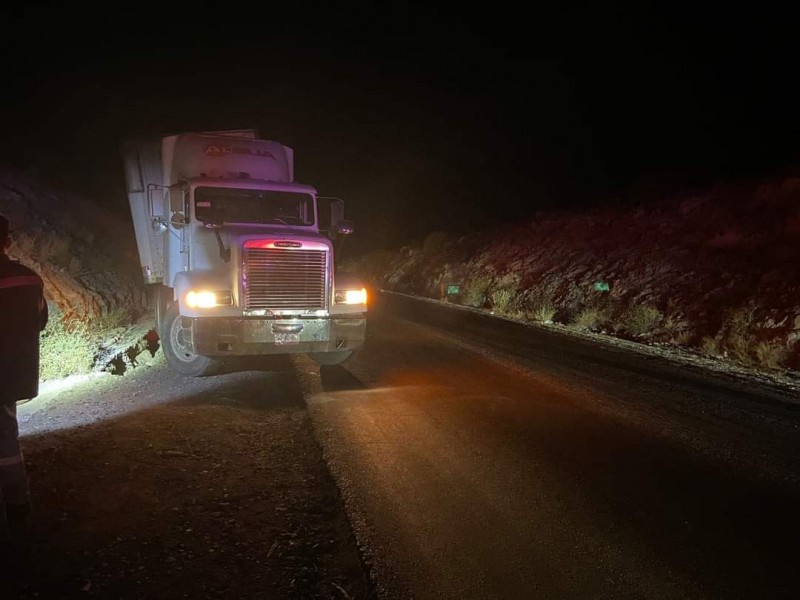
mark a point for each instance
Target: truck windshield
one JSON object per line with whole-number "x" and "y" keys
{"x": 232, "y": 205}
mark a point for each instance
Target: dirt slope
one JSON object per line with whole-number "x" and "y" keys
{"x": 85, "y": 253}
{"x": 717, "y": 271}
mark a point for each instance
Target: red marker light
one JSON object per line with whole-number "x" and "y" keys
{"x": 284, "y": 244}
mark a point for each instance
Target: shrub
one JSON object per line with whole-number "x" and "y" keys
{"x": 65, "y": 350}
{"x": 739, "y": 321}
{"x": 24, "y": 245}
{"x": 501, "y": 299}
{"x": 681, "y": 338}
{"x": 54, "y": 248}
{"x": 677, "y": 331}
{"x": 737, "y": 340}
{"x": 476, "y": 289}
{"x": 675, "y": 323}
{"x": 737, "y": 346}
{"x": 710, "y": 346}
{"x": 115, "y": 318}
{"x": 542, "y": 311}
{"x": 641, "y": 320}
{"x": 590, "y": 317}
{"x": 738, "y": 343}
{"x": 770, "y": 355}
{"x": 75, "y": 267}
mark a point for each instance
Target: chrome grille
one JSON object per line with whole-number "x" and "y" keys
{"x": 284, "y": 279}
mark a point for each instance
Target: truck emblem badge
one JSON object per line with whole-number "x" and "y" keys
{"x": 288, "y": 245}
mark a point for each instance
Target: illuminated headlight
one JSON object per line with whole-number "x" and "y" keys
{"x": 205, "y": 299}
{"x": 351, "y": 296}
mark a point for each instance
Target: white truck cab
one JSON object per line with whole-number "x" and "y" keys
{"x": 240, "y": 257}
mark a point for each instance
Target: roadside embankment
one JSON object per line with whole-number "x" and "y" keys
{"x": 716, "y": 273}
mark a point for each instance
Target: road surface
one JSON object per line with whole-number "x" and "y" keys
{"x": 498, "y": 461}
{"x": 156, "y": 486}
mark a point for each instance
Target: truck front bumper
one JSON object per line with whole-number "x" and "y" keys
{"x": 221, "y": 336}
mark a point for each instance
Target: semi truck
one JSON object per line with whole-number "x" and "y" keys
{"x": 239, "y": 257}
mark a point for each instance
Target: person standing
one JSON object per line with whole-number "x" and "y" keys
{"x": 23, "y": 314}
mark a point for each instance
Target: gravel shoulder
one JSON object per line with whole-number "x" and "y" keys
{"x": 784, "y": 384}
{"x": 155, "y": 486}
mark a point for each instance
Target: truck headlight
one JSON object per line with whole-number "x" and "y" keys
{"x": 206, "y": 299}
{"x": 351, "y": 296}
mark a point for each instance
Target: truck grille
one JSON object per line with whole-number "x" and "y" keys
{"x": 284, "y": 279}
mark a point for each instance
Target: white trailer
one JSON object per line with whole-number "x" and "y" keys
{"x": 240, "y": 257}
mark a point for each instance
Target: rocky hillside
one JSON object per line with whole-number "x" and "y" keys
{"x": 87, "y": 258}
{"x": 716, "y": 272}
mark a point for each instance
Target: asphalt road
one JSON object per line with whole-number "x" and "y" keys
{"x": 480, "y": 459}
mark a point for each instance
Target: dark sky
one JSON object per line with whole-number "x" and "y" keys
{"x": 420, "y": 118}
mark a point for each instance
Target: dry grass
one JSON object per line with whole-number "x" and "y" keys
{"x": 42, "y": 247}
{"x": 114, "y": 319}
{"x": 770, "y": 355}
{"x": 70, "y": 347}
{"x": 710, "y": 346}
{"x": 677, "y": 330}
{"x": 54, "y": 248}
{"x": 476, "y": 290}
{"x": 23, "y": 245}
{"x": 591, "y": 318}
{"x": 542, "y": 311}
{"x": 75, "y": 267}
{"x": 66, "y": 349}
{"x": 501, "y": 299}
{"x": 737, "y": 347}
{"x": 681, "y": 338}
{"x": 641, "y": 320}
{"x": 737, "y": 342}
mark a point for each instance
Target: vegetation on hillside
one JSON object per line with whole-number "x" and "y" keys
{"x": 717, "y": 273}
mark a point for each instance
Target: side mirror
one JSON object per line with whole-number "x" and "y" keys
{"x": 178, "y": 220}
{"x": 157, "y": 201}
{"x": 331, "y": 215}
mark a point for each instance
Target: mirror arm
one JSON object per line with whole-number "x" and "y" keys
{"x": 224, "y": 253}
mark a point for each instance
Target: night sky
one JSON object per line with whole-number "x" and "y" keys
{"x": 420, "y": 119}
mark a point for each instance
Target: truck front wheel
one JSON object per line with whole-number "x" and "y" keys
{"x": 176, "y": 349}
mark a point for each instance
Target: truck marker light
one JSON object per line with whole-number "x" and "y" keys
{"x": 351, "y": 296}
{"x": 271, "y": 243}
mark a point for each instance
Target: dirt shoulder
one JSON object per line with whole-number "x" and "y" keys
{"x": 155, "y": 486}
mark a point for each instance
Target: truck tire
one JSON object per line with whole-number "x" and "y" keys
{"x": 328, "y": 359}
{"x": 178, "y": 355}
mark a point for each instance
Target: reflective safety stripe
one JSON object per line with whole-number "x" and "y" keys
{"x": 11, "y": 460}
{"x": 22, "y": 280}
